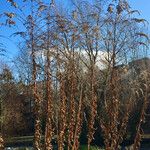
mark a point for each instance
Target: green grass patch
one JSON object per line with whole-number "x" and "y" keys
{"x": 84, "y": 147}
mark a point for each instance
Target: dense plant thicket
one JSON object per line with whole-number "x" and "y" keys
{"x": 76, "y": 63}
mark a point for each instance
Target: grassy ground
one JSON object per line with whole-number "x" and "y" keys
{"x": 84, "y": 147}
{"x": 28, "y": 141}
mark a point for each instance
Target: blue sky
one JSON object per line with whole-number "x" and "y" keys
{"x": 11, "y": 44}
{"x": 143, "y": 6}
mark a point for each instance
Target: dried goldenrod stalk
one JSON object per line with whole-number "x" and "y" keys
{"x": 112, "y": 125}
{"x": 78, "y": 122}
{"x": 93, "y": 110}
{"x": 37, "y": 100}
{"x": 72, "y": 111}
{"x": 62, "y": 116}
{"x": 123, "y": 125}
{"x": 49, "y": 131}
{"x": 138, "y": 137}
{"x": 49, "y": 107}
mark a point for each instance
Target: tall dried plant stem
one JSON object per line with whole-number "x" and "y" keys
{"x": 49, "y": 106}
{"x": 37, "y": 100}
{"x": 93, "y": 108}
{"x": 72, "y": 111}
{"x": 138, "y": 137}
{"x": 115, "y": 111}
{"x": 78, "y": 123}
{"x": 110, "y": 127}
{"x": 124, "y": 123}
{"x": 37, "y": 134}
{"x": 49, "y": 128}
{"x": 62, "y": 116}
